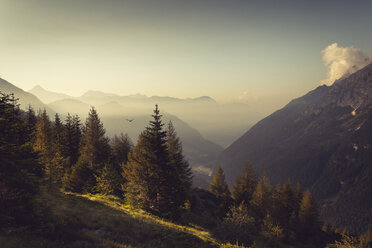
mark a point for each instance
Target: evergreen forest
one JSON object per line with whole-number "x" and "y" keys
{"x": 65, "y": 183}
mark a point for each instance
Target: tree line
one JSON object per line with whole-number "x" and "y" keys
{"x": 281, "y": 214}
{"x": 152, "y": 175}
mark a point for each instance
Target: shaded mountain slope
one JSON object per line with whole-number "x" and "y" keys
{"x": 324, "y": 141}
{"x": 25, "y": 98}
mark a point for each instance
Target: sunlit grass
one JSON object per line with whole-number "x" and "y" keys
{"x": 116, "y": 203}
{"x": 95, "y": 220}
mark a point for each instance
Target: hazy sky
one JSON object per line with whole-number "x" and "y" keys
{"x": 233, "y": 50}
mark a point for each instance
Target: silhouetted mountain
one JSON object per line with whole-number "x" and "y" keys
{"x": 220, "y": 123}
{"x": 25, "y": 98}
{"x": 324, "y": 141}
{"x": 47, "y": 96}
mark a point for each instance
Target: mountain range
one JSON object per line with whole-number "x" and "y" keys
{"x": 24, "y": 98}
{"x": 322, "y": 140}
{"x": 220, "y": 123}
{"x": 199, "y": 151}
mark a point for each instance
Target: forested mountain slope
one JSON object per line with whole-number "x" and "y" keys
{"x": 322, "y": 140}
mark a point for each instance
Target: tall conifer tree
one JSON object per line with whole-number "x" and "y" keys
{"x": 44, "y": 145}
{"x": 20, "y": 171}
{"x": 308, "y": 217}
{"x": 148, "y": 169}
{"x": 73, "y": 138}
{"x": 31, "y": 121}
{"x": 219, "y": 188}
{"x": 121, "y": 146}
{"x": 95, "y": 145}
{"x": 262, "y": 197}
{"x": 182, "y": 179}
{"x": 43, "y": 136}
{"x": 58, "y": 136}
{"x": 218, "y": 185}
{"x": 245, "y": 185}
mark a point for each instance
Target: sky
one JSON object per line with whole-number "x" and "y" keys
{"x": 258, "y": 52}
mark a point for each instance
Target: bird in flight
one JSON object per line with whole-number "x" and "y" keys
{"x": 130, "y": 120}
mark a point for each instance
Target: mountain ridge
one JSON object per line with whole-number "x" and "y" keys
{"x": 203, "y": 112}
{"x": 24, "y": 98}
{"x": 311, "y": 140}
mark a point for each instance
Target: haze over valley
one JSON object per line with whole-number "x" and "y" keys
{"x": 171, "y": 123}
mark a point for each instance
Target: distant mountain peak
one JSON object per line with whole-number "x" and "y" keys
{"x": 25, "y": 98}
{"x": 204, "y": 99}
{"x": 96, "y": 93}
{"x": 46, "y": 95}
{"x": 37, "y": 87}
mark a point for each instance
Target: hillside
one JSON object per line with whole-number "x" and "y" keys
{"x": 25, "y": 98}
{"x": 71, "y": 220}
{"x": 324, "y": 141}
{"x": 100, "y": 221}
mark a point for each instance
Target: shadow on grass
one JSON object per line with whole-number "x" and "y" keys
{"x": 74, "y": 221}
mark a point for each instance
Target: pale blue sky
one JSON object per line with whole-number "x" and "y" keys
{"x": 268, "y": 49}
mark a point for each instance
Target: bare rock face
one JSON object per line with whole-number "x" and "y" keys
{"x": 322, "y": 140}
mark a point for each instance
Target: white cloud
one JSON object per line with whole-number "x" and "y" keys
{"x": 342, "y": 61}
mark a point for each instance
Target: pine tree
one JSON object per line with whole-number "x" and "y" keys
{"x": 59, "y": 138}
{"x": 308, "y": 217}
{"x": 44, "y": 145}
{"x": 95, "y": 146}
{"x": 121, "y": 146}
{"x": 30, "y": 121}
{"x": 20, "y": 171}
{"x": 73, "y": 139}
{"x": 108, "y": 181}
{"x": 43, "y": 136}
{"x": 82, "y": 179}
{"x": 148, "y": 169}
{"x": 298, "y": 195}
{"x": 262, "y": 198}
{"x": 245, "y": 185}
{"x": 139, "y": 174}
{"x": 218, "y": 185}
{"x": 284, "y": 204}
{"x": 288, "y": 197}
{"x": 219, "y": 188}
{"x": 181, "y": 181}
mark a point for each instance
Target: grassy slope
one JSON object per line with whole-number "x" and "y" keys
{"x": 79, "y": 221}
{"x": 101, "y": 221}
